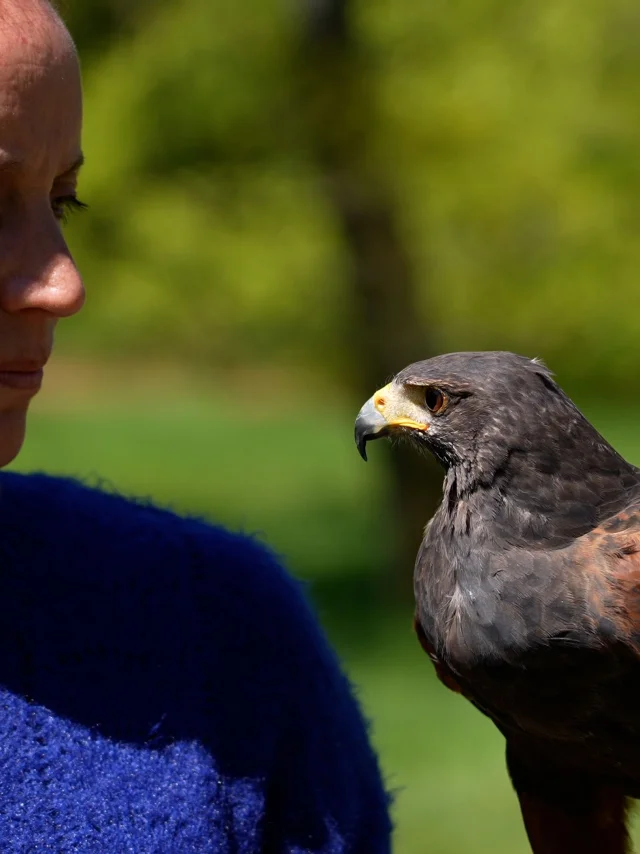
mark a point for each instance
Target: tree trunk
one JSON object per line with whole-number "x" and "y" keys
{"x": 385, "y": 332}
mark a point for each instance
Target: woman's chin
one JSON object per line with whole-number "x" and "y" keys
{"x": 12, "y": 432}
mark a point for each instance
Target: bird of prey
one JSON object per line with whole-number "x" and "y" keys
{"x": 527, "y": 583}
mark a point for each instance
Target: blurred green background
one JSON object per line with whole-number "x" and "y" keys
{"x": 292, "y": 199}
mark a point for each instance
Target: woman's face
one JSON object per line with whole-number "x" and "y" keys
{"x": 40, "y": 155}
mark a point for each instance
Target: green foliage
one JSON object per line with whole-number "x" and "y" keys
{"x": 508, "y": 130}
{"x": 516, "y": 138}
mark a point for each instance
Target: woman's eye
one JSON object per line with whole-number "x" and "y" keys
{"x": 435, "y": 399}
{"x": 62, "y": 206}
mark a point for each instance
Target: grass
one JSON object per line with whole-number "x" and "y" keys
{"x": 288, "y": 469}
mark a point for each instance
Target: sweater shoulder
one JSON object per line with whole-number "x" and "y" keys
{"x": 131, "y": 534}
{"x": 93, "y": 538}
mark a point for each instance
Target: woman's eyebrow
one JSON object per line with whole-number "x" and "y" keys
{"x": 15, "y": 164}
{"x": 75, "y": 166}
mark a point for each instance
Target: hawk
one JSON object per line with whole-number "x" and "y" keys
{"x": 527, "y": 583}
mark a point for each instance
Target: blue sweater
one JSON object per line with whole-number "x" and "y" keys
{"x": 164, "y": 689}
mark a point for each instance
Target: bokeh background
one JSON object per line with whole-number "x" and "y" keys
{"x": 292, "y": 199}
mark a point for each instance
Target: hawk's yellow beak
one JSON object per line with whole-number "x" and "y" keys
{"x": 381, "y": 414}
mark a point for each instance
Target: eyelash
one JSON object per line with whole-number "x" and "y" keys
{"x": 64, "y": 205}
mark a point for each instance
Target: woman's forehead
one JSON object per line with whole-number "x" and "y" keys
{"x": 31, "y": 31}
{"x": 40, "y": 92}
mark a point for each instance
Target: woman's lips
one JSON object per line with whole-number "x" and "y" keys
{"x": 21, "y": 380}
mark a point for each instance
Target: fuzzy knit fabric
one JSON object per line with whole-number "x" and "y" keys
{"x": 165, "y": 689}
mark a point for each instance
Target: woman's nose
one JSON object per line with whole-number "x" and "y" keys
{"x": 56, "y": 289}
{"x": 40, "y": 273}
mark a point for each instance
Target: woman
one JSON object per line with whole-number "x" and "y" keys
{"x": 163, "y": 687}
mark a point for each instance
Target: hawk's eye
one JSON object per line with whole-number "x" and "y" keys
{"x": 434, "y": 399}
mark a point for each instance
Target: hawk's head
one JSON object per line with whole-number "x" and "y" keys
{"x": 477, "y": 411}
